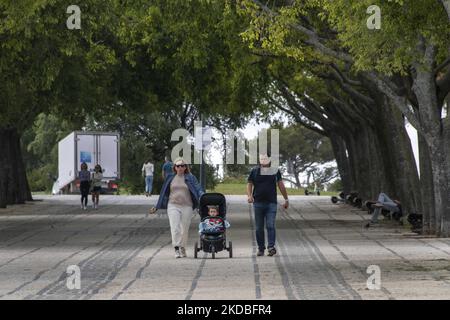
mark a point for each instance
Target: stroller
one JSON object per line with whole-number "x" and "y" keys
{"x": 217, "y": 241}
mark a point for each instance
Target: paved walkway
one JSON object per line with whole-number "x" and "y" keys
{"x": 324, "y": 253}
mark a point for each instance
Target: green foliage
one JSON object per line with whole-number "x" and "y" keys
{"x": 211, "y": 178}
{"x": 304, "y": 146}
{"x": 133, "y": 154}
{"x": 40, "y": 149}
{"x": 335, "y": 186}
{"x": 191, "y": 53}
{"x": 235, "y": 179}
{"x": 393, "y": 48}
{"x": 342, "y": 25}
{"x": 43, "y": 65}
{"x": 303, "y": 151}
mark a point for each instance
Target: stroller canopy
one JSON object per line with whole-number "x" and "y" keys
{"x": 213, "y": 199}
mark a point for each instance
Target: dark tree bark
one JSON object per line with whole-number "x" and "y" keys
{"x": 14, "y": 188}
{"x": 433, "y": 128}
{"x": 426, "y": 188}
{"x": 402, "y": 166}
{"x": 340, "y": 153}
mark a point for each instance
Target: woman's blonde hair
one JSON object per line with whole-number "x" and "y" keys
{"x": 186, "y": 169}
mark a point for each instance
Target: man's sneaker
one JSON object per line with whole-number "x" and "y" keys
{"x": 177, "y": 253}
{"x": 82, "y": 207}
{"x": 260, "y": 253}
{"x": 377, "y": 205}
{"x": 272, "y": 251}
{"x": 183, "y": 252}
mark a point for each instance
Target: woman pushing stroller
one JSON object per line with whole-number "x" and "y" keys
{"x": 180, "y": 195}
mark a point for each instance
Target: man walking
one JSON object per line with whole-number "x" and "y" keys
{"x": 147, "y": 173}
{"x": 262, "y": 192}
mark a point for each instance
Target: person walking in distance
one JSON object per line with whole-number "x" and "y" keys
{"x": 262, "y": 192}
{"x": 166, "y": 168}
{"x": 180, "y": 195}
{"x": 147, "y": 173}
{"x": 85, "y": 184}
{"x": 97, "y": 177}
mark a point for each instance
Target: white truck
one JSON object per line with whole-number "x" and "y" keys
{"x": 93, "y": 148}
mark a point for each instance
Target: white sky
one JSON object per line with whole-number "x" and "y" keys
{"x": 414, "y": 143}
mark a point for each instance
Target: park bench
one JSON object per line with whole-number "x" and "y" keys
{"x": 341, "y": 198}
{"x": 354, "y": 199}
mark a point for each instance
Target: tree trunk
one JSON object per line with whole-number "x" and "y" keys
{"x": 353, "y": 160}
{"x": 4, "y": 169}
{"x": 426, "y": 187}
{"x": 440, "y": 186}
{"x": 366, "y": 163}
{"x": 446, "y": 126}
{"x": 380, "y": 177}
{"x": 402, "y": 166}
{"x": 340, "y": 153}
{"x": 425, "y": 90}
{"x": 298, "y": 184}
{"x": 14, "y": 188}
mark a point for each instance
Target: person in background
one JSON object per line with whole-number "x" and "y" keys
{"x": 166, "y": 168}
{"x": 97, "y": 177}
{"x": 147, "y": 173}
{"x": 85, "y": 184}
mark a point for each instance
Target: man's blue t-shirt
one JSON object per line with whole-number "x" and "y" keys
{"x": 167, "y": 168}
{"x": 264, "y": 186}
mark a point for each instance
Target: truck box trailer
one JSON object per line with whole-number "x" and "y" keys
{"x": 93, "y": 148}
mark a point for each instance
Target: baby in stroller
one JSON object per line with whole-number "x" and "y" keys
{"x": 213, "y": 225}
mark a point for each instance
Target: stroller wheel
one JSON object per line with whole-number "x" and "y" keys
{"x": 230, "y": 249}
{"x": 213, "y": 252}
{"x": 195, "y": 250}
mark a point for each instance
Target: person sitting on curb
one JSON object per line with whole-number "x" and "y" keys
{"x": 386, "y": 203}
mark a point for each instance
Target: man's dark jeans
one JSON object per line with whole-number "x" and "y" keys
{"x": 265, "y": 213}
